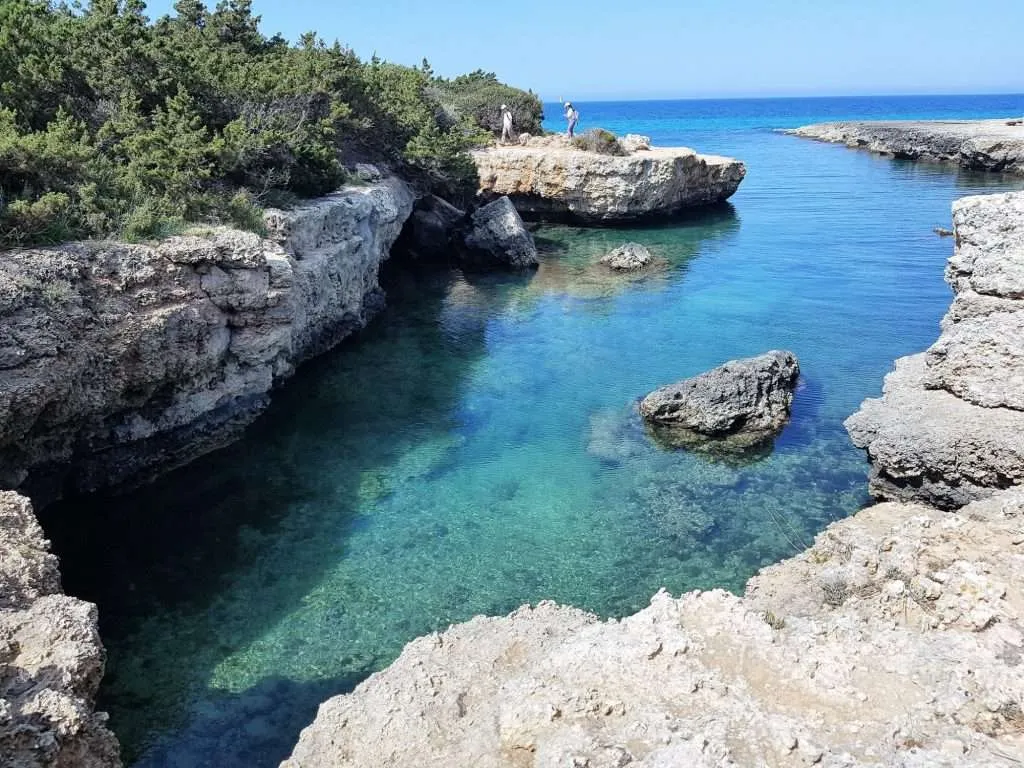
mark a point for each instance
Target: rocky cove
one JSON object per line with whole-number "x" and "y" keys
{"x": 807, "y": 614}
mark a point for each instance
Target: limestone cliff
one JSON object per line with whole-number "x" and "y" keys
{"x": 51, "y": 658}
{"x": 118, "y": 361}
{"x": 948, "y": 428}
{"x": 896, "y": 640}
{"x": 560, "y": 182}
{"x": 986, "y": 145}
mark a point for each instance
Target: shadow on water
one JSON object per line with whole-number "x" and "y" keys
{"x": 264, "y": 517}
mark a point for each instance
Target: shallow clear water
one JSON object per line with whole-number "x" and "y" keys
{"x": 476, "y": 448}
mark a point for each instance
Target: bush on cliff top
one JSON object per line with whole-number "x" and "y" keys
{"x": 601, "y": 141}
{"x": 111, "y": 124}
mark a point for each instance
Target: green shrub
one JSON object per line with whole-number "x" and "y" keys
{"x": 601, "y": 141}
{"x": 114, "y": 124}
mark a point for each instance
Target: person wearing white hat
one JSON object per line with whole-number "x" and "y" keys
{"x": 506, "y": 124}
{"x": 572, "y": 116}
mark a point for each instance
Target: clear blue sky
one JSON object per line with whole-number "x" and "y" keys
{"x": 619, "y": 49}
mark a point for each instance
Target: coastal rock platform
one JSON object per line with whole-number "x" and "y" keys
{"x": 987, "y": 145}
{"x": 949, "y": 428}
{"x": 559, "y": 182}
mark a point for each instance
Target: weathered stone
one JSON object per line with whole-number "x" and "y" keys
{"x": 434, "y": 231}
{"x": 989, "y": 145}
{"x": 749, "y": 398}
{"x": 627, "y": 258}
{"x": 948, "y": 427}
{"x": 561, "y": 182}
{"x": 51, "y": 658}
{"x": 498, "y": 237}
{"x": 633, "y": 142}
{"x": 784, "y": 675}
{"x": 118, "y": 361}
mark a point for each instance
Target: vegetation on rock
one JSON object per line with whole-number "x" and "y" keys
{"x": 601, "y": 141}
{"x": 113, "y": 124}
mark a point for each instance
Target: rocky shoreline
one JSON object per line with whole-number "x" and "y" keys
{"x": 985, "y": 145}
{"x": 121, "y": 361}
{"x": 51, "y": 657}
{"x": 948, "y": 427}
{"x": 897, "y": 639}
{"x": 558, "y": 182}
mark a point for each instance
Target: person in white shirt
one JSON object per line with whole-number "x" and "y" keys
{"x": 506, "y": 124}
{"x": 572, "y": 116}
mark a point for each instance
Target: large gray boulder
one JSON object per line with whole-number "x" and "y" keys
{"x": 747, "y": 399}
{"x": 498, "y": 237}
{"x": 947, "y": 429}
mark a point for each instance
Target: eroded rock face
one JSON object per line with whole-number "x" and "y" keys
{"x": 987, "y": 145}
{"x": 748, "y": 399}
{"x": 560, "y": 182}
{"x": 896, "y": 639}
{"x": 948, "y": 427}
{"x": 630, "y": 257}
{"x": 51, "y": 658}
{"x": 497, "y": 237}
{"x": 118, "y": 361}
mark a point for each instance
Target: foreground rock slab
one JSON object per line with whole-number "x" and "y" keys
{"x": 118, "y": 361}
{"x": 948, "y": 428}
{"x": 51, "y": 658}
{"x": 896, "y": 640}
{"x": 747, "y": 400}
{"x": 561, "y": 182}
{"x": 986, "y": 145}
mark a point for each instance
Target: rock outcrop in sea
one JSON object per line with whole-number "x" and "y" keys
{"x": 118, "y": 361}
{"x": 51, "y": 658}
{"x": 986, "y": 145}
{"x": 949, "y": 428}
{"x": 554, "y": 180}
{"x": 630, "y": 257}
{"x": 498, "y": 237}
{"x": 736, "y": 406}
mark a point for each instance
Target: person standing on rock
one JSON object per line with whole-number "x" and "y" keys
{"x": 506, "y": 124}
{"x": 571, "y": 116}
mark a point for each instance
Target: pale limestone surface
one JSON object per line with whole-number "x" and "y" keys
{"x": 896, "y": 640}
{"x": 949, "y": 427}
{"x": 118, "y": 361}
{"x": 989, "y": 145}
{"x": 51, "y": 658}
{"x": 554, "y": 180}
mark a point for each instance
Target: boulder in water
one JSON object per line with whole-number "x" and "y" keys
{"x": 499, "y": 237}
{"x": 741, "y": 403}
{"x": 630, "y": 257}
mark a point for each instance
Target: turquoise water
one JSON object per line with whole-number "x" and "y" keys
{"x": 476, "y": 448}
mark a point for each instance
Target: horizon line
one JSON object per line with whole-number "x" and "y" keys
{"x": 794, "y": 97}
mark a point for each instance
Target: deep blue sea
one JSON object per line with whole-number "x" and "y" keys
{"x": 477, "y": 446}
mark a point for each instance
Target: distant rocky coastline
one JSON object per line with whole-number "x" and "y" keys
{"x": 551, "y": 179}
{"x": 985, "y": 145}
{"x": 896, "y": 639}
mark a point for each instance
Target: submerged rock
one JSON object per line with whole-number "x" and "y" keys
{"x": 499, "y": 237}
{"x": 627, "y": 258}
{"x": 119, "y": 361}
{"x": 742, "y": 403}
{"x": 947, "y": 429}
{"x": 560, "y": 182}
{"x": 892, "y": 638}
{"x": 51, "y": 658}
{"x": 987, "y": 145}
